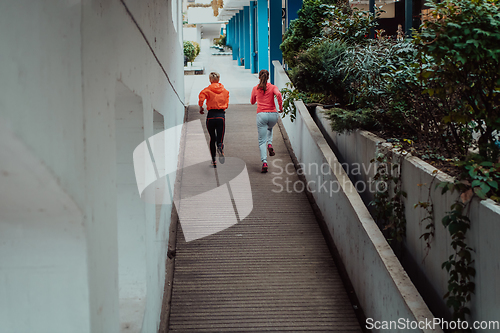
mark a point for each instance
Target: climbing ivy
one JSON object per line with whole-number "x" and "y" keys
{"x": 390, "y": 207}
{"x": 290, "y": 95}
{"x": 428, "y": 206}
{"x": 481, "y": 180}
{"x": 460, "y": 264}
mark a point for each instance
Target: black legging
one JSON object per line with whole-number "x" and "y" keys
{"x": 216, "y": 126}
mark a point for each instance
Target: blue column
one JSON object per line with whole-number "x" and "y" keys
{"x": 236, "y": 37}
{"x": 292, "y": 7}
{"x": 253, "y": 58}
{"x": 228, "y": 33}
{"x": 241, "y": 54}
{"x": 262, "y": 36}
{"x": 233, "y": 33}
{"x": 246, "y": 36}
{"x": 231, "y": 25}
{"x": 275, "y": 35}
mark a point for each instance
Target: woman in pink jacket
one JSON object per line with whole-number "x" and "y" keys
{"x": 267, "y": 116}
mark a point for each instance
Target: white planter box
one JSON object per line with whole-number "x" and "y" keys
{"x": 360, "y": 147}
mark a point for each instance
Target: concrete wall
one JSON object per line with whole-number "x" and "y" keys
{"x": 79, "y": 85}
{"x": 382, "y": 286}
{"x": 192, "y": 34}
{"x": 423, "y": 264}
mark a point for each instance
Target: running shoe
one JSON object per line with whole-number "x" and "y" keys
{"x": 214, "y": 164}
{"x": 220, "y": 150}
{"x": 264, "y": 167}
{"x": 271, "y": 150}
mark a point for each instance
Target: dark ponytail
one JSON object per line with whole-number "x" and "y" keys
{"x": 263, "y": 77}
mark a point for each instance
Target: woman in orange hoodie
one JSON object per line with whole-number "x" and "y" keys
{"x": 217, "y": 98}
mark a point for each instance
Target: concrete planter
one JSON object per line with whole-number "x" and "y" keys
{"x": 422, "y": 264}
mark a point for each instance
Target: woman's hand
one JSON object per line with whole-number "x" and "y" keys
{"x": 201, "y": 110}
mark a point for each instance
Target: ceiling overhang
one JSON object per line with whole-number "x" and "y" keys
{"x": 231, "y": 8}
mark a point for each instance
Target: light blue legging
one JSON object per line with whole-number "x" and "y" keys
{"x": 265, "y": 124}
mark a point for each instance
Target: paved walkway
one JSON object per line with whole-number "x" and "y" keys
{"x": 272, "y": 271}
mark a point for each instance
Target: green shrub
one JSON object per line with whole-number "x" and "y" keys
{"x": 220, "y": 41}
{"x": 463, "y": 38}
{"x": 189, "y": 50}
{"x": 343, "y": 120}
{"x": 318, "y": 70}
{"x": 350, "y": 26}
{"x": 302, "y": 30}
{"x": 372, "y": 74}
{"x": 197, "y": 49}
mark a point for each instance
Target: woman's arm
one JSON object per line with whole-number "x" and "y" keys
{"x": 278, "y": 96}
{"x": 253, "y": 97}
{"x": 201, "y": 98}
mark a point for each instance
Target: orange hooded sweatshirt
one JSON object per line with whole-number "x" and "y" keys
{"x": 216, "y": 95}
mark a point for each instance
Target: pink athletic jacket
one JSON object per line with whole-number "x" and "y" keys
{"x": 265, "y": 99}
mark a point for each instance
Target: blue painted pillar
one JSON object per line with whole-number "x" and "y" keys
{"x": 241, "y": 52}
{"x": 292, "y": 7}
{"x": 262, "y": 36}
{"x": 253, "y": 58}
{"x": 236, "y": 37}
{"x": 275, "y": 35}
{"x": 228, "y": 33}
{"x": 230, "y": 36}
{"x": 233, "y": 32}
{"x": 246, "y": 36}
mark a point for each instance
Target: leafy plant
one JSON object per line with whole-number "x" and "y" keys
{"x": 350, "y": 26}
{"x": 318, "y": 70}
{"x": 220, "y": 41}
{"x": 373, "y": 74}
{"x": 290, "y": 95}
{"x": 197, "y": 49}
{"x": 428, "y": 206}
{"x": 478, "y": 179}
{"x": 189, "y": 51}
{"x": 484, "y": 179}
{"x": 460, "y": 264}
{"x": 463, "y": 38}
{"x": 342, "y": 120}
{"x": 390, "y": 207}
{"x": 302, "y": 30}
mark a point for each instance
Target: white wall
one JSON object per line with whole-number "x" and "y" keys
{"x": 198, "y": 15}
{"x": 192, "y": 34}
{"x": 65, "y": 265}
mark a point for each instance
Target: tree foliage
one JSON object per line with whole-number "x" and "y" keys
{"x": 350, "y": 26}
{"x": 317, "y": 69}
{"x": 463, "y": 40}
{"x": 302, "y": 30}
{"x": 191, "y": 50}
